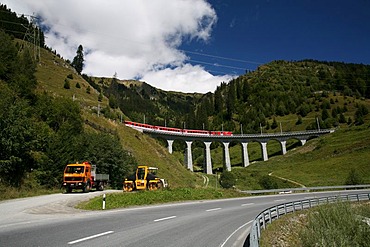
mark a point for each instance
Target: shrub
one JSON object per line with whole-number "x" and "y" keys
{"x": 267, "y": 182}
{"x": 227, "y": 179}
{"x": 67, "y": 85}
{"x": 354, "y": 178}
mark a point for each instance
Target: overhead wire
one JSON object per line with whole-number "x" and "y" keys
{"x": 191, "y": 60}
{"x": 218, "y": 64}
{"x": 221, "y": 57}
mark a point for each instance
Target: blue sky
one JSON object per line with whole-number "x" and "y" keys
{"x": 262, "y": 31}
{"x": 194, "y": 45}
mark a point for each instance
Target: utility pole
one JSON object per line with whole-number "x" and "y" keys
{"x": 318, "y": 123}
{"x": 32, "y": 36}
{"x": 261, "y": 128}
{"x": 281, "y": 129}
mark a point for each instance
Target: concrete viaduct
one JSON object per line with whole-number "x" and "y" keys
{"x": 244, "y": 139}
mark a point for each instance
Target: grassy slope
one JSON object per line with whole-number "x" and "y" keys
{"x": 51, "y": 73}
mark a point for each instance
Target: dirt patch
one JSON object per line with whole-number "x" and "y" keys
{"x": 67, "y": 204}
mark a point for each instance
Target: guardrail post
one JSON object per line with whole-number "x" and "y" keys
{"x": 254, "y": 235}
{"x": 285, "y": 208}
{"x": 270, "y": 217}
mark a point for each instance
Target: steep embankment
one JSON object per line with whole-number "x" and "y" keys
{"x": 53, "y": 73}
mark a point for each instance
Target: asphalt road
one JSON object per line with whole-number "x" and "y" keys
{"x": 51, "y": 221}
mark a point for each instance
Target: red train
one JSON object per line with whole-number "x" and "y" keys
{"x": 182, "y": 131}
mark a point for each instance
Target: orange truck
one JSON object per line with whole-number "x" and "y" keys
{"x": 83, "y": 176}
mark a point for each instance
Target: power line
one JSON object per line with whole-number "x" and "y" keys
{"x": 217, "y": 65}
{"x": 221, "y": 57}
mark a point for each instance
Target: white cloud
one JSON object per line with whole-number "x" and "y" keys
{"x": 133, "y": 38}
{"x": 186, "y": 78}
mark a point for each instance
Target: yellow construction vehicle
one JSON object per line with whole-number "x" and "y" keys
{"x": 145, "y": 178}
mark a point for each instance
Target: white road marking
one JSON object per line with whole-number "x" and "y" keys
{"x": 212, "y": 209}
{"x": 247, "y": 204}
{"x": 240, "y": 227}
{"x": 166, "y": 218}
{"x": 15, "y": 224}
{"x": 280, "y": 200}
{"x": 90, "y": 237}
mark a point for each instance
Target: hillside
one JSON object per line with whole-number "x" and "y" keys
{"x": 52, "y": 72}
{"x": 291, "y": 93}
{"x": 56, "y": 116}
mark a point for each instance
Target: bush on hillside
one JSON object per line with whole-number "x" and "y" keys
{"x": 227, "y": 180}
{"x": 354, "y": 177}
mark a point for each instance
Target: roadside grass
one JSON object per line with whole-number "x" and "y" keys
{"x": 139, "y": 198}
{"x": 337, "y": 224}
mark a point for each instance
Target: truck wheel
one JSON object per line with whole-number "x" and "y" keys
{"x": 159, "y": 185}
{"x": 101, "y": 187}
{"x": 86, "y": 189}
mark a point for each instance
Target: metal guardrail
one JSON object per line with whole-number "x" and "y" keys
{"x": 273, "y": 213}
{"x": 289, "y": 190}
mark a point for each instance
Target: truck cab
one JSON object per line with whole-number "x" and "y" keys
{"x": 83, "y": 176}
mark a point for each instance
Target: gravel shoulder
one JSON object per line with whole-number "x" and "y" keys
{"x": 43, "y": 207}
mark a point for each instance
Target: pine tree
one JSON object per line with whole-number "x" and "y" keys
{"x": 78, "y": 60}
{"x": 274, "y": 124}
{"x": 342, "y": 118}
{"x": 67, "y": 85}
{"x": 324, "y": 114}
{"x": 100, "y": 97}
{"x": 230, "y": 101}
{"x": 218, "y": 103}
